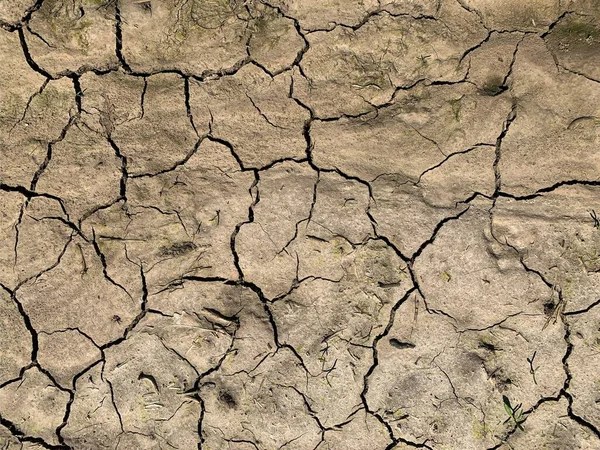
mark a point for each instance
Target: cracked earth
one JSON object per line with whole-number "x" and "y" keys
{"x": 299, "y": 224}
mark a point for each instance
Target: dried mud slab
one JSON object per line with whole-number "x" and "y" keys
{"x": 537, "y": 230}
{"x": 412, "y": 121}
{"x": 313, "y": 15}
{"x": 441, "y": 193}
{"x": 338, "y": 357}
{"x": 128, "y": 111}
{"x": 247, "y": 414}
{"x": 171, "y": 35}
{"x": 34, "y": 405}
{"x": 177, "y": 223}
{"x": 66, "y": 37}
{"x": 554, "y": 133}
{"x": 435, "y": 383}
{"x": 15, "y": 338}
{"x": 513, "y": 15}
{"x": 7, "y": 440}
{"x": 276, "y": 44}
{"x": 584, "y": 339}
{"x": 361, "y": 432}
{"x": 104, "y": 305}
{"x": 574, "y": 41}
{"x": 34, "y": 236}
{"x": 254, "y": 113}
{"x": 490, "y": 64}
{"x": 93, "y": 420}
{"x": 66, "y": 177}
{"x": 12, "y": 12}
{"x": 452, "y": 163}
{"x": 299, "y": 225}
{"x": 347, "y": 64}
{"x": 289, "y": 186}
{"x": 215, "y": 325}
{"x": 66, "y": 354}
{"x": 33, "y": 114}
{"x": 154, "y": 405}
{"x": 551, "y": 427}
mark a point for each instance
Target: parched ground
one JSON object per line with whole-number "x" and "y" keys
{"x": 300, "y": 224}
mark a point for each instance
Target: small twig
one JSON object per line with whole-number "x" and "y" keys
{"x": 531, "y": 368}
{"x": 594, "y": 217}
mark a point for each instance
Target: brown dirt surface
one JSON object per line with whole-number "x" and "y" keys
{"x": 299, "y": 224}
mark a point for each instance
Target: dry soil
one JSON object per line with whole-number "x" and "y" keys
{"x": 300, "y": 224}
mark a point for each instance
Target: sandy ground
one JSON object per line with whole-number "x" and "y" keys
{"x": 300, "y": 224}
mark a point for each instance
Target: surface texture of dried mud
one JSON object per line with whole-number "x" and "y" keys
{"x": 299, "y": 224}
